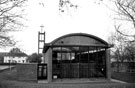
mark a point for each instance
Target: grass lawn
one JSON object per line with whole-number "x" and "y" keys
{"x": 8, "y": 79}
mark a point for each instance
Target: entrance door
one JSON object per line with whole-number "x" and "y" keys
{"x": 42, "y": 71}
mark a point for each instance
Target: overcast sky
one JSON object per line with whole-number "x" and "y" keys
{"x": 89, "y": 17}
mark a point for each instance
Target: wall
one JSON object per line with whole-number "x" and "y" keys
{"x": 27, "y": 72}
{"x": 48, "y": 60}
{"x": 124, "y": 76}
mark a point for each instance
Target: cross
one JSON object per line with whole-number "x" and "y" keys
{"x": 42, "y": 28}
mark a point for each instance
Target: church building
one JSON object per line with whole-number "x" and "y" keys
{"x": 77, "y": 56}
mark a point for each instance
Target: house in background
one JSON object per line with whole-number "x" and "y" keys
{"x": 2, "y": 54}
{"x": 15, "y": 55}
{"x": 15, "y": 58}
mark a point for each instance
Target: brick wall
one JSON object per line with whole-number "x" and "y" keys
{"x": 27, "y": 72}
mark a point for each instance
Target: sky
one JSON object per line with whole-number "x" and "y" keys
{"x": 89, "y": 17}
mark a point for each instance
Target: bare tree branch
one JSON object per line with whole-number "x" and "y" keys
{"x": 117, "y": 30}
{"x": 67, "y": 4}
{"x": 9, "y": 20}
{"x": 120, "y": 43}
{"x": 126, "y": 11}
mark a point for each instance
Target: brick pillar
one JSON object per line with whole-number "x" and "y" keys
{"x": 108, "y": 68}
{"x": 49, "y": 65}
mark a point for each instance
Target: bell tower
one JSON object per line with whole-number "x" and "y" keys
{"x": 41, "y": 40}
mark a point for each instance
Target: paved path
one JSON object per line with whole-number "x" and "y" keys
{"x": 114, "y": 80}
{"x": 2, "y": 68}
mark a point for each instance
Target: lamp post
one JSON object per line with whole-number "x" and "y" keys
{"x": 10, "y": 65}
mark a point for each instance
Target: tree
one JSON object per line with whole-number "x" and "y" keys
{"x": 126, "y": 12}
{"x": 66, "y": 4}
{"x": 122, "y": 50}
{"x": 10, "y": 20}
{"x": 130, "y": 52}
{"x": 120, "y": 42}
{"x": 15, "y": 50}
{"x": 34, "y": 58}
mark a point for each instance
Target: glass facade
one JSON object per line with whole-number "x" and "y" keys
{"x": 78, "y": 62}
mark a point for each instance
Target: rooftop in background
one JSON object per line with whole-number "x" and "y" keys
{"x": 13, "y": 54}
{"x": 3, "y": 53}
{"x": 17, "y": 54}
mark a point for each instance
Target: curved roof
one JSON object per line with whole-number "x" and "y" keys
{"x": 77, "y": 39}
{"x": 80, "y": 35}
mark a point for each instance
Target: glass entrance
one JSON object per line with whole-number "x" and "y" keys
{"x": 42, "y": 71}
{"x": 78, "y": 62}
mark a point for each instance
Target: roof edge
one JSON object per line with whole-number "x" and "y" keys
{"x": 80, "y": 34}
